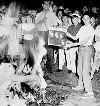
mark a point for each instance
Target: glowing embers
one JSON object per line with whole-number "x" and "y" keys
{"x": 27, "y": 95}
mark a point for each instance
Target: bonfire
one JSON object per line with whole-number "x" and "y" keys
{"x": 11, "y": 77}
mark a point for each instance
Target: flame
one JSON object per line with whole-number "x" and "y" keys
{"x": 38, "y": 51}
{"x": 11, "y": 14}
{"x": 36, "y": 45}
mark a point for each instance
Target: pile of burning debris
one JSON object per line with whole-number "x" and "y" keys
{"x": 20, "y": 89}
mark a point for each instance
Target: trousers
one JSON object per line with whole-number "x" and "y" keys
{"x": 61, "y": 58}
{"x": 71, "y": 59}
{"x": 84, "y": 67}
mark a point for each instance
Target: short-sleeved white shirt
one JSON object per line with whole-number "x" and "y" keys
{"x": 84, "y": 33}
{"x": 51, "y": 20}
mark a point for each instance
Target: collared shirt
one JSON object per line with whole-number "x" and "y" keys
{"x": 51, "y": 20}
{"x": 84, "y": 33}
{"x": 73, "y": 30}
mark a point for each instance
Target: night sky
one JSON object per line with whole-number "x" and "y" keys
{"x": 72, "y": 4}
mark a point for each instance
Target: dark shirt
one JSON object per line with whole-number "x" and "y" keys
{"x": 74, "y": 30}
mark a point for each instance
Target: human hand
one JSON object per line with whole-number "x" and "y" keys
{"x": 68, "y": 42}
{"x": 68, "y": 46}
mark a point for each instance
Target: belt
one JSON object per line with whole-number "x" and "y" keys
{"x": 87, "y": 46}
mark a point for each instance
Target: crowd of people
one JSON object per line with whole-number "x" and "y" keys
{"x": 24, "y": 34}
{"x": 81, "y": 27}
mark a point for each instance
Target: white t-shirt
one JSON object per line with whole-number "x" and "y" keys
{"x": 51, "y": 20}
{"x": 84, "y": 33}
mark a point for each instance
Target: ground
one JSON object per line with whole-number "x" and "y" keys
{"x": 60, "y": 93}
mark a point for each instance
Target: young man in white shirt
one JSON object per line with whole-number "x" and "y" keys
{"x": 45, "y": 19}
{"x": 85, "y": 35}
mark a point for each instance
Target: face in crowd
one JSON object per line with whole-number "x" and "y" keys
{"x": 34, "y": 13}
{"x": 93, "y": 21}
{"x": 86, "y": 19}
{"x": 59, "y": 13}
{"x": 65, "y": 19}
{"x": 75, "y": 20}
{"x": 69, "y": 21}
{"x": 54, "y": 8}
{"x": 46, "y": 6}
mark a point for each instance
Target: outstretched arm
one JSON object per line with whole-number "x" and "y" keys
{"x": 73, "y": 37}
{"x": 77, "y": 44}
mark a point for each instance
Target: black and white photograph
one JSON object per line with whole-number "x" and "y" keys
{"x": 49, "y": 52}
